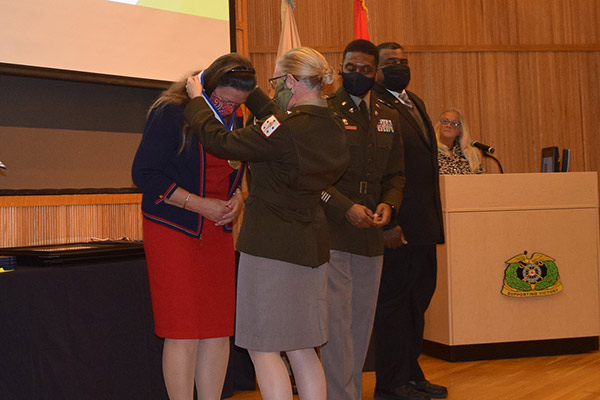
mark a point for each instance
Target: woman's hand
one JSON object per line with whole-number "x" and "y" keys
{"x": 193, "y": 86}
{"x": 209, "y": 207}
{"x": 234, "y": 205}
{"x": 221, "y": 212}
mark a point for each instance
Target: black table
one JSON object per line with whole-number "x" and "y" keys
{"x": 86, "y": 332}
{"x": 79, "y": 332}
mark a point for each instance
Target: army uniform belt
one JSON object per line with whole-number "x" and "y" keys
{"x": 288, "y": 202}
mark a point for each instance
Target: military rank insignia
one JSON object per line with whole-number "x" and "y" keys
{"x": 347, "y": 126}
{"x": 529, "y": 277}
{"x": 385, "y": 125}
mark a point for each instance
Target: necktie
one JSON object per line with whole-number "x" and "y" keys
{"x": 405, "y": 100}
{"x": 364, "y": 110}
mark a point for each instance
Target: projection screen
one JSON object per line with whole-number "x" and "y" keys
{"x": 149, "y": 39}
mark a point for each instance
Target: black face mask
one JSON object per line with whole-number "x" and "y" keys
{"x": 396, "y": 77}
{"x": 356, "y": 83}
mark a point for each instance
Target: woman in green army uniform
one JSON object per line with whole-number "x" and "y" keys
{"x": 293, "y": 155}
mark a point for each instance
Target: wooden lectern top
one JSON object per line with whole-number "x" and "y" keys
{"x": 491, "y": 192}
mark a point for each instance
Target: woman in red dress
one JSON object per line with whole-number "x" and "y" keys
{"x": 189, "y": 199}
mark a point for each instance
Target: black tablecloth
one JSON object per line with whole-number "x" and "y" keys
{"x": 84, "y": 332}
{"x": 79, "y": 332}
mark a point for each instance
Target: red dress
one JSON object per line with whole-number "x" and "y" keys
{"x": 192, "y": 281}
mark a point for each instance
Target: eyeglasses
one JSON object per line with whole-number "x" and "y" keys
{"x": 358, "y": 67}
{"x": 273, "y": 81}
{"x": 445, "y": 121}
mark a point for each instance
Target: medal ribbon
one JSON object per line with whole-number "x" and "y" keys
{"x": 212, "y": 106}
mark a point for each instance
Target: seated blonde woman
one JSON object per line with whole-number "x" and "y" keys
{"x": 456, "y": 156}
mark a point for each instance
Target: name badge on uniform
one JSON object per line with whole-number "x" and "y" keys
{"x": 270, "y": 125}
{"x": 385, "y": 125}
{"x": 348, "y": 127}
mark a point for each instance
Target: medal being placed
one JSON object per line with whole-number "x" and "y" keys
{"x": 235, "y": 164}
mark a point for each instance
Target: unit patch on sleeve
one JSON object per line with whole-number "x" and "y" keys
{"x": 270, "y": 125}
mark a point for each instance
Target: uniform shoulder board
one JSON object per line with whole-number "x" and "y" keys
{"x": 340, "y": 117}
{"x": 270, "y": 125}
{"x": 384, "y": 102}
{"x": 330, "y": 96}
{"x": 294, "y": 113}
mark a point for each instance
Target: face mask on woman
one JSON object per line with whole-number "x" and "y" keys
{"x": 396, "y": 77}
{"x": 356, "y": 83}
{"x": 283, "y": 94}
{"x": 225, "y": 108}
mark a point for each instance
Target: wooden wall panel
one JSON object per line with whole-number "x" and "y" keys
{"x": 589, "y": 84}
{"x": 329, "y": 28}
{"x": 264, "y": 26}
{"x": 524, "y": 72}
{"x": 501, "y": 108}
{"x": 488, "y": 22}
{"x": 241, "y": 27}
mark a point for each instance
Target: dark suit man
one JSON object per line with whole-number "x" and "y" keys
{"x": 410, "y": 263}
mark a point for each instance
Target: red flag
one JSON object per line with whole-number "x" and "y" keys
{"x": 361, "y": 17}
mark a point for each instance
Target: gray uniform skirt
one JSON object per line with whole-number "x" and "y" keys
{"x": 280, "y": 306}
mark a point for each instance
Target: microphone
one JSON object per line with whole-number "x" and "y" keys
{"x": 483, "y": 147}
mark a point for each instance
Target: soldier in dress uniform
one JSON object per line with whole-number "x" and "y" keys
{"x": 357, "y": 208}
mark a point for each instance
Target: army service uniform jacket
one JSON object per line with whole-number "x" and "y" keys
{"x": 375, "y": 174}
{"x": 293, "y": 157}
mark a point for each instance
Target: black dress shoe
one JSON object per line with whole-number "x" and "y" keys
{"x": 434, "y": 391}
{"x": 404, "y": 392}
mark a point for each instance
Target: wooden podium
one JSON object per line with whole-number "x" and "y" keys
{"x": 488, "y": 220}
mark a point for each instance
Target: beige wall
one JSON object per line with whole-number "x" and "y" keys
{"x": 526, "y": 73}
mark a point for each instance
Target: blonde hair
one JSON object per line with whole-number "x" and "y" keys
{"x": 174, "y": 94}
{"x": 464, "y": 141}
{"x": 307, "y": 64}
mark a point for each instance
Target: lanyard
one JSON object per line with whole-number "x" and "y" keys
{"x": 212, "y": 106}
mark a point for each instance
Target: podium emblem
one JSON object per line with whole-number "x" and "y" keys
{"x": 530, "y": 277}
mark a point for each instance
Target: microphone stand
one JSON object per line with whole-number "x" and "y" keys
{"x": 486, "y": 154}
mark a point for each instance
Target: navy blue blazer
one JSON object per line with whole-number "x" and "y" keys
{"x": 158, "y": 170}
